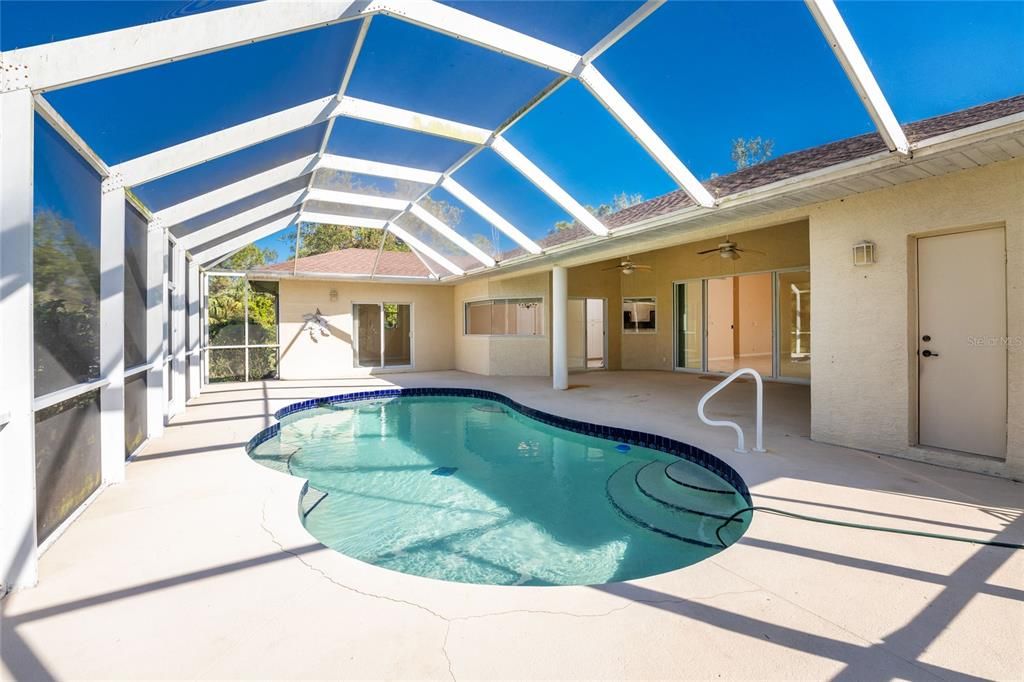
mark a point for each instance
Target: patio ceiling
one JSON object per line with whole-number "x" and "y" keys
{"x": 412, "y": 102}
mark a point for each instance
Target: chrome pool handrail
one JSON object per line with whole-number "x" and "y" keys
{"x": 759, "y": 445}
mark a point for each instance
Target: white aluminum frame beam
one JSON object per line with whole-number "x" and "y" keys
{"x": 531, "y": 172}
{"x": 238, "y": 221}
{"x": 342, "y": 220}
{"x": 616, "y": 34}
{"x": 626, "y": 115}
{"x": 395, "y": 117}
{"x": 214, "y": 145}
{"x": 178, "y": 320}
{"x": 156, "y": 243}
{"x": 477, "y": 205}
{"x": 428, "y": 177}
{"x": 112, "y": 398}
{"x": 193, "y": 354}
{"x": 444, "y": 229}
{"x": 333, "y": 196}
{"x": 464, "y": 26}
{"x": 79, "y": 60}
{"x": 205, "y": 148}
{"x": 416, "y": 245}
{"x": 378, "y": 169}
{"x": 222, "y": 196}
{"x": 248, "y": 237}
{"x": 839, "y": 38}
{"x": 18, "y": 541}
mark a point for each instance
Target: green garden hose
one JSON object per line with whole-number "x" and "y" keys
{"x": 847, "y": 524}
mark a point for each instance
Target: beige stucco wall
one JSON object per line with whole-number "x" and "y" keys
{"x": 502, "y": 355}
{"x": 863, "y": 366}
{"x": 330, "y": 357}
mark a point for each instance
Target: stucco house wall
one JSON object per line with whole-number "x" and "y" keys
{"x": 305, "y": 356}
{"x": 502, "y": 355}
{"x": 863, "y": 391}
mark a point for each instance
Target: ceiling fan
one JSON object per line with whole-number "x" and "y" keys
{"x": 729, "y": 250}
{"x": 628, "y": 267}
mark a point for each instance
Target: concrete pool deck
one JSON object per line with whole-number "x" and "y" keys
{"x": 197, "y": 566}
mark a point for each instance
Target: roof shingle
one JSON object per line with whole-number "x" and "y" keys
{"x": 356, "y": 262}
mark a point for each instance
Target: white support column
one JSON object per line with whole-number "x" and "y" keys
{"x": 559, "y": 328}
{"x": 17, "y": 421}
{"x": 194, "y": 373}
{"x": 112, "y": 206}
{"x": 156, "y": 242}
{"x": 204, "y": 326}
{"x": 178, "y": 322}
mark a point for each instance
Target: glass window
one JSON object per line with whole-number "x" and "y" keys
{"x": 66, "y": 279}
{"x": 135, "y": 278}
{"x": 638, "y": 315}
{"x": 505, "y": 317}
{"x": 795, "y": 324}
{"x": 135, "y": 412}
{"x": 67, "y": 459}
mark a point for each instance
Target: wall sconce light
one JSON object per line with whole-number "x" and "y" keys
{"x": 333, "y": 295}
{"x": 864, "y": 253}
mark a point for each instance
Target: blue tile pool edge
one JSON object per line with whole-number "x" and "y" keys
{"x": 651, "y": 441}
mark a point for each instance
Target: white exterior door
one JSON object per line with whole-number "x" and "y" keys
{"x": 962, "y": 341}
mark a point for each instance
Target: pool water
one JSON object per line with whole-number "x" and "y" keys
{"x": 471, "y": 490}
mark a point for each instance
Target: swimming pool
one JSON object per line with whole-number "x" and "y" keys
{"x": 469, "y": 486}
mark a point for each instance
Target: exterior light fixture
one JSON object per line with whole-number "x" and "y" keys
{"x": 864, "y": 253}
{"x": 333, "y": 295}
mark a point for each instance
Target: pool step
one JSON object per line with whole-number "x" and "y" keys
{"x": 694, "y": 476}
{"x": 627, "y": 498}
{"x": 653, "y": 482}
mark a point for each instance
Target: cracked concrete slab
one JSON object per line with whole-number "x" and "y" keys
{"x": 198, "y": 567}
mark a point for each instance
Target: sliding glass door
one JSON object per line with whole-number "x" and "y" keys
{"x": 690, "y": 325}
{"x": 383, "y": 334}
{"x": 794, "y": 305}
{"x": 757, "y": 320}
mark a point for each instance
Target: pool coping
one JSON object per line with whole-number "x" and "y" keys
{"x": 643, "y": 439}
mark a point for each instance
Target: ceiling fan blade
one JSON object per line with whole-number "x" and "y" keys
{"x": 701, "y": 253}
{"x": 614, "y": 267}
{"x": 750, "y": 251}
{"x": 643, "y": 267}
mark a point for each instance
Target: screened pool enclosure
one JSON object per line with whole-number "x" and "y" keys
{"x": 140, "y": 152}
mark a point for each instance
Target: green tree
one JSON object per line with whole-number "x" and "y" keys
{"x": 617, "y": 203}
{"x": 746, "y": 153}
{"x": 249, "y": 257}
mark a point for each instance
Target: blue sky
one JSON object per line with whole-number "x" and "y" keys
{"x": 701, "y": 73}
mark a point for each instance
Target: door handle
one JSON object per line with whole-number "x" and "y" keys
{"x": 929, "y": 354}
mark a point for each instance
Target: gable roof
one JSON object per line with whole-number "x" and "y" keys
{"x": 355, "y": 262}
